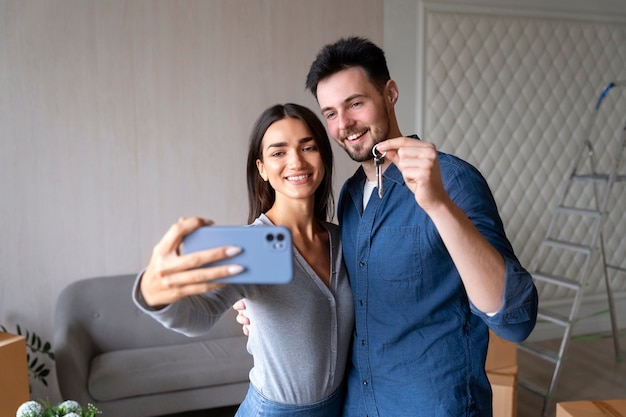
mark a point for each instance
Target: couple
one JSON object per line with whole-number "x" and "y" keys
{"x": 430, "y": 268}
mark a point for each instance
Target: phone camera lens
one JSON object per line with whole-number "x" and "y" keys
{"x": 269, "y": 237}
{"x": 280, "y": 237}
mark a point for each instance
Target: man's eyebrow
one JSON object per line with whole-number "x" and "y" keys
{"x": 347, "y": 100}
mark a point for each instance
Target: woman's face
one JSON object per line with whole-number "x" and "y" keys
{"x": 291, "y": 160}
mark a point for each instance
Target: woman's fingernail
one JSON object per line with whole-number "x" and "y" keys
{"x": 235, "y": 269}
{"x": 233, "y": 250}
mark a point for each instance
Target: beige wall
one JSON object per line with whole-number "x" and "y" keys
{"x": 118, "y": 117}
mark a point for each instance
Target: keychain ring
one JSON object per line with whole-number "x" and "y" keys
{"x": 378, "y": 154}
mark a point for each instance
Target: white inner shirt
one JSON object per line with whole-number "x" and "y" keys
{"x": 367, "y": 192}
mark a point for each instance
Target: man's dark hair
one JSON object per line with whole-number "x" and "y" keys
{"x": 347, "y": 53}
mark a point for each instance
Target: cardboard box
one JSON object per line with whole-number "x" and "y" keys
{"x": 501, "y": 367}
{"x": 14, "y": 389}
{"x": 597, "y": 408}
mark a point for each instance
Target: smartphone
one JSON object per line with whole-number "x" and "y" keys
{"x": 267, "y": 251}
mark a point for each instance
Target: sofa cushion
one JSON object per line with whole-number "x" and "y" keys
{"x": 134, "y": 372}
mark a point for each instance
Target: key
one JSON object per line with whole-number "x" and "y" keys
{"x": 379, "y": 159}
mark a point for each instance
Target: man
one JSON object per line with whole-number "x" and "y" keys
{"x": 430, "y": 266}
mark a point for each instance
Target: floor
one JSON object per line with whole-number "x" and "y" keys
{"x": 590, "y": 372}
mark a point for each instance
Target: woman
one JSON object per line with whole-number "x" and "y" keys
{"x": 304, "y": 327}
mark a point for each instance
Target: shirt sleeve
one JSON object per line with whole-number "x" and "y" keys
{"x": 517, "y": 317}
{"x": 193, "y": 315}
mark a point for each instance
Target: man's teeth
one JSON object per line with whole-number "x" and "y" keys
{"x": 355, "y": 136}
{"x": 297, "y": 177}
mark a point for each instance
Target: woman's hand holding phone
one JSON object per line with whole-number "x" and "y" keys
{"x": 171, "y": 276}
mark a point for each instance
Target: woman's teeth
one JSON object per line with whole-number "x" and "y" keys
{"x": 298, "y": 177}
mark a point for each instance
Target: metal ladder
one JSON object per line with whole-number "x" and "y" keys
{"x": 573, "y": 240}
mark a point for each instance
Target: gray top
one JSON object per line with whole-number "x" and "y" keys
{"x": 299, "y": 333}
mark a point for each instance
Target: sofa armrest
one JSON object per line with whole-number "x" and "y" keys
{"x": 74, "y": 349}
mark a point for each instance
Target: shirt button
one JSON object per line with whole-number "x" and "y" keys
{"x": 361, "y": 303}
{"x": 362, "y": 342}
{"x": 364, "y": 382}
{"x": 361, "y": 264}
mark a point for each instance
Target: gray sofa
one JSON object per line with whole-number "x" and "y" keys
{"x": 110, "y": 354}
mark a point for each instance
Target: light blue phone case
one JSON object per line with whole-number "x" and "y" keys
{"x": 267, "y": 251}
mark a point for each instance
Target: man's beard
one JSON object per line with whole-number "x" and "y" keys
{"x": 360, "y": 154}
{"x": 363, "y": 152}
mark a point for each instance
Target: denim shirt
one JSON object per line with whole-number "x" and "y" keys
{"x": 419, "y": 345}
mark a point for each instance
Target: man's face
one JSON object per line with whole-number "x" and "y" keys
{"x": 356, "y": 113}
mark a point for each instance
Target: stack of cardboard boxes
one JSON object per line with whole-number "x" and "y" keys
{"x": 501, "y": 367}
{"x": 598, "y": 408}
{"x": 13, "y": 373}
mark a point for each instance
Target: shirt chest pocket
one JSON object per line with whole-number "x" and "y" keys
{"x": 396, "y": 257}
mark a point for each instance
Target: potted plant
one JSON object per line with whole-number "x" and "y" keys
{"x": 65, "y": 409}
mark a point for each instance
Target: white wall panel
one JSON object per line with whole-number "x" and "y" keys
{"x": 513, "y": 92}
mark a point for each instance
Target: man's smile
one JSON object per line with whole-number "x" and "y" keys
{"x": 355, "y": 136}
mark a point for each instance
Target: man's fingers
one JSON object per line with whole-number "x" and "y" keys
{"x": 241, "y": 319}
{"x": 398, "y": 143}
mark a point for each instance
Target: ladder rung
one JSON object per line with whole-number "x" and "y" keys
{"x": 543, "y": 353}
{"x": 534, "y": 388}
{"x": 579, "y": 211}
{"x": 567, "y": 245}
{"x": 617, "y": 268}
{"x": 552, "y": 279}
{"x": 555, "y": 318}
{"x": 591, "y": 177}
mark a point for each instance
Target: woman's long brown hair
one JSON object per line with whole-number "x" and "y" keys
{"x": 261, "y": 195}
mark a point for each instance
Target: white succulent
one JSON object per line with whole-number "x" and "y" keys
{"x": 30, "y": 409}
{"x": 70, "y": 407}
